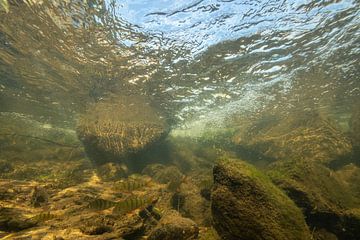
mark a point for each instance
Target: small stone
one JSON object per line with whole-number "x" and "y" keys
{"x": 162, "y": 173}
{"x": 173, "y": 226}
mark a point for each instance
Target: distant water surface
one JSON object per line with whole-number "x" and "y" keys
{"x": 201, "y": 61}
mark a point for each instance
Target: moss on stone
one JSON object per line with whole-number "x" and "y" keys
{"x": 321, "y": 192}
{"x": 247, "y": 205}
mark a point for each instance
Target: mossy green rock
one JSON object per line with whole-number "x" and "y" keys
{"x": 328, "y": 198}
{"x": 247, "y": 205}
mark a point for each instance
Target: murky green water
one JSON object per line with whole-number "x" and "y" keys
{"x": 238, "y": 78}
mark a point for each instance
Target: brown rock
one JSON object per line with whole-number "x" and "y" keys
{"x": 118, "y": 128}
{"x": 173, "y": 226}
{"x": 192, "y": 204}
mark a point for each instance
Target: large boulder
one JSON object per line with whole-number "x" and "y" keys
{"x": 119, "y": 128}
{"x": 327, "y": 197}
{"x": 300, "y": 136}
{"x": 247, "y": 205}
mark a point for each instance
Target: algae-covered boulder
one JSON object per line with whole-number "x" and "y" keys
{"x": 327, "y": 199}
{"x": 300, "y": 136}
{"x": 173, "y": 226}
{"x": 120, "y": 127}
{"x": 247, "y": 205}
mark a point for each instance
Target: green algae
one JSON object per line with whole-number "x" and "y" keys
{"x": 247, "y": 205}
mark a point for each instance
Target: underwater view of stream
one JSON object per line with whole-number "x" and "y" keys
{"x": 179, "y": 120}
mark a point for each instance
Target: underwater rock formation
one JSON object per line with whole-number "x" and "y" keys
{"x": 208, "y": 233}
{"x": 119, "y": 128}
{"x": 354, "y": 125}
{"x": 247, "y": 205}
{"x": 173, "y": 226}
{"x": 162, "y": 173}
{"x": 193, "y": 205}
{"x": 300, "y": 136}
{"x": 112, "y": 171}
{"x": 328, "y": 202}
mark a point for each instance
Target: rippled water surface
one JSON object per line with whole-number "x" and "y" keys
{"x": 201, "y": 61}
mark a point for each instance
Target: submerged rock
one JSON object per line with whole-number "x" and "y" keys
{"x": 193, "y": 205}
{"x": 354, "y": 125}
{"x": 162, "y": 173}
{"x": 209, "y": 233}
{"x": 327, "y": 200}
{"x": 247, "y": 205}
{"x": 300, "y": 136}
{"x": 173, "y": 226}
{"x": 119, "y": 128}
{"x": 112, "y": 171}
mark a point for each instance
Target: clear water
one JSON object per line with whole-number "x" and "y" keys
{"x": 208, "y": 64}
{"x": 196, "y": 58}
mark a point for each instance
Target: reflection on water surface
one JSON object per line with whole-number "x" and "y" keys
{"x": 99, "y": 93}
